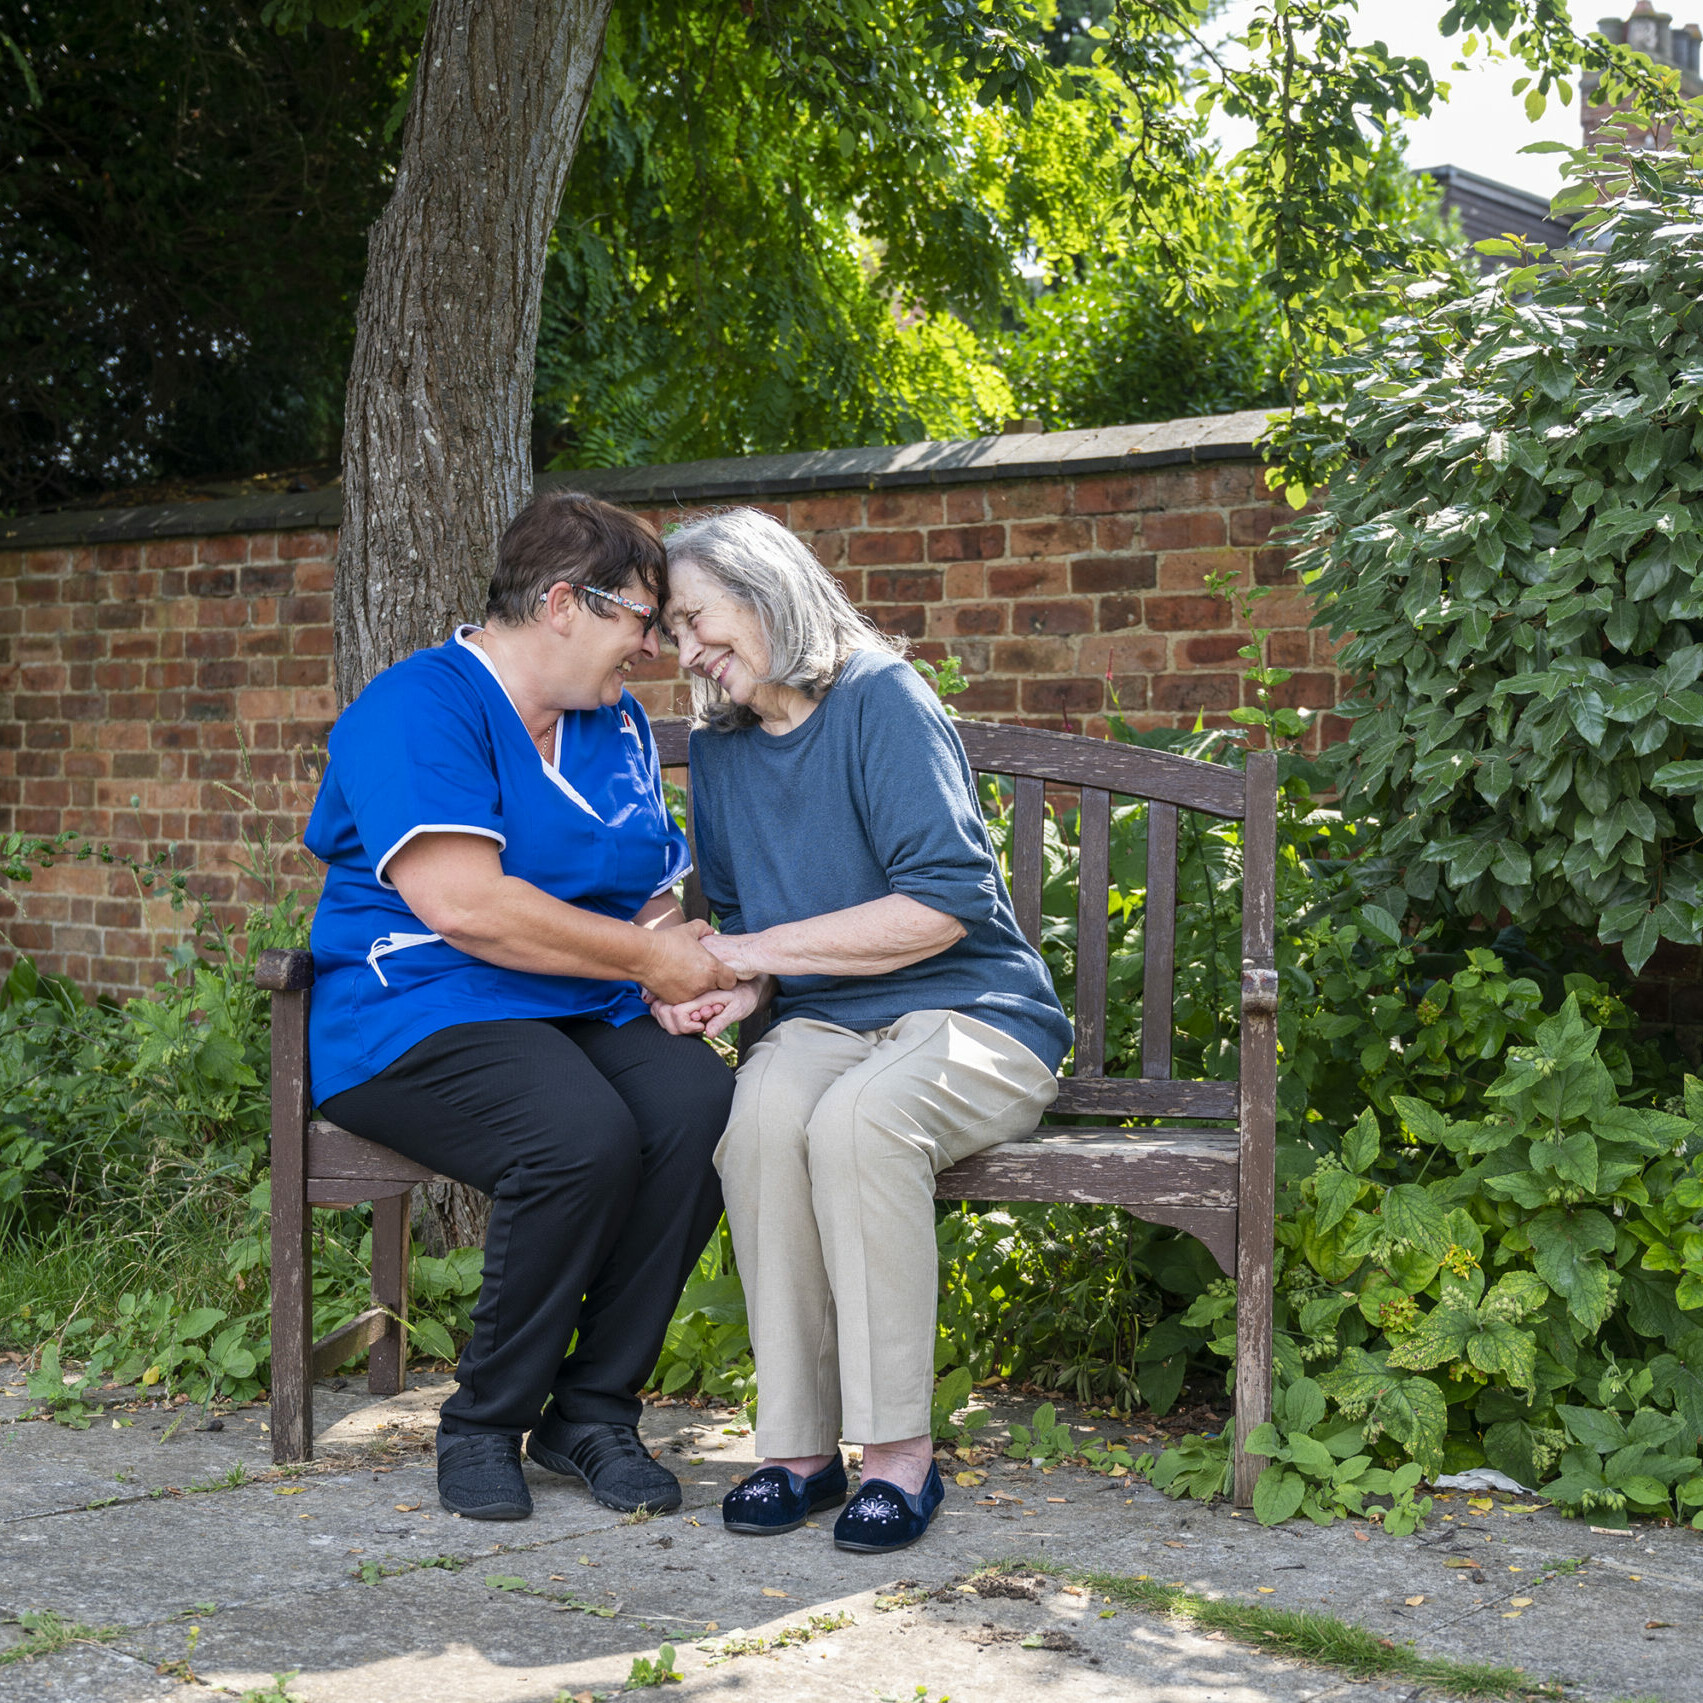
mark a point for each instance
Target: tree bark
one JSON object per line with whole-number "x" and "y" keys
{"x": 437, "y": 451}
{"x": 437, "y": 455}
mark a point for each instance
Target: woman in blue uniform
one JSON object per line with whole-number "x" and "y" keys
{"x": 499, "y": 891}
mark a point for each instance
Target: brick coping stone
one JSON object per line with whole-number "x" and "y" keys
{"x": 1015, "y": 455}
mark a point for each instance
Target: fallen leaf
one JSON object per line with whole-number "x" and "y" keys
{"x": 712, "y": 1625}
{"x": 970, "y": 1480}
{"x": 1512, "y": 1614}
{"x": 1636, "y": 1578}
{"x": 1459, "y": 1561}
{"x": 1033, "y": 1642}
{"x": 1413, "y": 1602}
{"x": 1519, "y": 1602}
{"x": 1482, "y": 1503}
{"x": 1175, "y": 1543}
{"x": 1108, "y": 1614}
{"x": 1513, "y": 1569}
{"x": 558, "y": 1577}
{"x": 401, "y": 1507}
{"x": 1652, "y": 1625}
{"x": 1362, "y": 1537}
{"x": 1076, "y": 1590}
{"x": 1267, "y": 1590}
{"x": 770, "y": 1591}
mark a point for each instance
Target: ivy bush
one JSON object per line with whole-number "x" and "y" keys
{"x": 1516, "y": 553}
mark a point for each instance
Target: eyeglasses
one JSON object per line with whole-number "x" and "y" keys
{"x": 644, "y": 611}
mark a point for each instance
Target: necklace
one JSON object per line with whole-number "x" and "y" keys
{"x": 544, "y": 743}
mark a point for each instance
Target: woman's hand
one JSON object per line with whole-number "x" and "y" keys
{"x": 678, "y": 970}
{"x": 710, "y": 1013}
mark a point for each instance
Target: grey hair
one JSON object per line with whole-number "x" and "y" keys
{"x": 808, "y": 623}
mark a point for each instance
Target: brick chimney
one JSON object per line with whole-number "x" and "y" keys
{"x": 1652, "y": 33}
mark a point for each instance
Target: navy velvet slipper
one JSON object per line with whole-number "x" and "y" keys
{"x": 774, "y": 1500}
{"x": 881, "y": 1516}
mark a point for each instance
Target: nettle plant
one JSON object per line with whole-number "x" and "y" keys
{"x": 1516, "y": 549}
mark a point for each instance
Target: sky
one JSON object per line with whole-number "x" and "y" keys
{"x": 1483, "y": 126}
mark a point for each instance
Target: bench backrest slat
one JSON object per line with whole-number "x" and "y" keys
{"x": 1159, "y": 940}
{"x": 1027, "y": 862}
{"x": 1093, "y": 887}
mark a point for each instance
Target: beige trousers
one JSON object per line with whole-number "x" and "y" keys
{"x": 828, "y": 1169}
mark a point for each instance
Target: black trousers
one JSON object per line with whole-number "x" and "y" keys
{"x": 594, "y": 1145}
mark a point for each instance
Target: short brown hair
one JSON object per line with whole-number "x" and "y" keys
{"x": 566, "y": 535}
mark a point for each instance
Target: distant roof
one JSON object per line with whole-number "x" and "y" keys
{"x": 1491, "y": 209}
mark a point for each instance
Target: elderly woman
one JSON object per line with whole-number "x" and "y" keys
{"x": 499, "y": 891}
{"x": 840, "y": 842}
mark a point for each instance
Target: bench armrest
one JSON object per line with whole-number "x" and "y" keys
{"x": 284, "y": 971}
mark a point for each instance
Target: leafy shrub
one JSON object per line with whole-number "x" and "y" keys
{"x": 1517, "y": 551}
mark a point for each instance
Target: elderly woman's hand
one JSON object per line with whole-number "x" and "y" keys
{"x": 710, "y": 1013}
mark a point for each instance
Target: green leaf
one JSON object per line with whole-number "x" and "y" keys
{"x": 1380, "y": 925}
{"x": 1643, "y": 456}
{"x": 1360, "y": 1144}
{"x": 1277, "y": 1495}
{"x": 431, "y": 1338}
{"x": 1265, "y": 1440}
{"x": 1336, "y": 1192}
{"x": 1589, "y": 716}
{"x": 1304, "y": 1405}
{"x": 1500, "y": 1347}
{"x": 1413, "y": 1216}
{"x": 1567, "y": 1247}
{"x": 1679, "y": 777}
{"x": 1309, "y": 1455}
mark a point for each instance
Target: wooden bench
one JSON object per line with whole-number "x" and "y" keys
{"x": 1215, "y": 1183}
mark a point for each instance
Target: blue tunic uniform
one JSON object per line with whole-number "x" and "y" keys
{"x": 434, "y": 745}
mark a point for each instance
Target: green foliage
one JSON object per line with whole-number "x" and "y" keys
{"x": 1517, "y": 551}
{"x": 649, "y": 1671}
{"x": 182, "y": 232}
{"x": 1324, "y": 1477}
{"x": 708, "y": 1346}
{"x": 1194, "y": 1466}
{"x": 952, "y": 1397}
{"x": 1044, "y": 1441}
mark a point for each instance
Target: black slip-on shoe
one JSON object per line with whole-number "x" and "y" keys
{"x": 479, "y": 1478}
{"x": 611, "y": 1459}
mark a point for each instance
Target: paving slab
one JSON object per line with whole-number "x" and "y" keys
{"x": 88, "y": 1674}
{"x": 441, "y": 1639}
{"x": 351, "y": 1573}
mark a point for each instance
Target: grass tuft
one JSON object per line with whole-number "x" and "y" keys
{"x": 1304, "y": 1633}
{"x": 46, "y": 1633}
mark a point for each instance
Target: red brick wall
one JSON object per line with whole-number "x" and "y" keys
{"x": 176, "y": 693}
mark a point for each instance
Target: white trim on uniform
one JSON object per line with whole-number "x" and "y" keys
{"x": 388, "y": 943}
{"x": 553, "y": 770}
{"x": 433, "y": 828}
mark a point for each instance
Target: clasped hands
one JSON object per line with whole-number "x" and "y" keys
{"x": 699, "y": 985}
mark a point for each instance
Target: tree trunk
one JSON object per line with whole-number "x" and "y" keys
{"x": 437, "y": 452}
